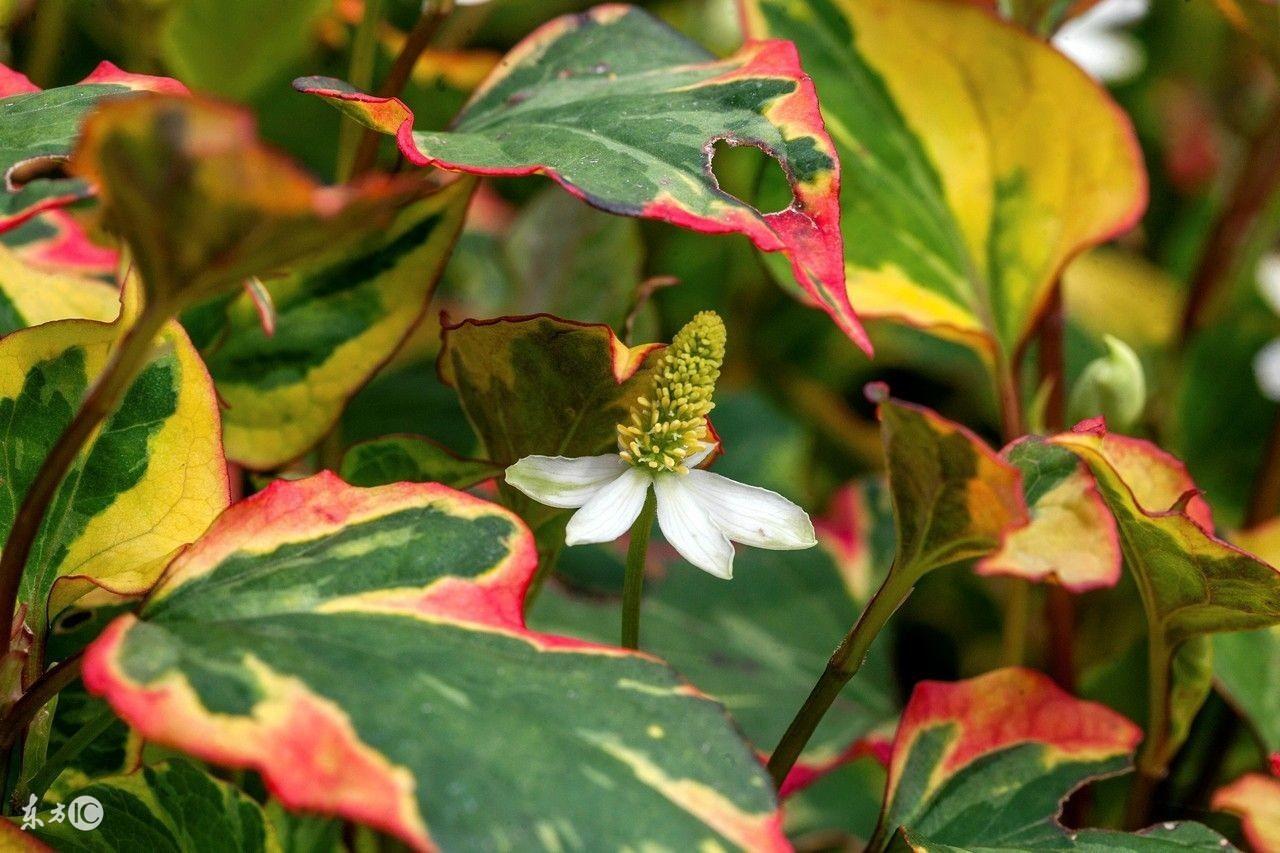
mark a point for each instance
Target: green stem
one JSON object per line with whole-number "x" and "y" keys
{"x": 127, "y": 360}
{"x": 844, "y": 664}
{"x": 47, "y": 31}
{"x": 1017, "y": 609}
{"x": 1152, "y": 763}
{"x": 48, "y": 686}
{"x": 633, "y": 584}
{"x": 66, "y": 754}
{"x": 364, "y": 54}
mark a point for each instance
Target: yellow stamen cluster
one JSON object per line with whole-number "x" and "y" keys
{"x": 671, "y": 423}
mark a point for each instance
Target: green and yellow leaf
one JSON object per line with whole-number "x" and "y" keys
{"x": 564, "y": 101}
{"x": 412, "y": 459}
{"x": 171, "y": 807}
{"x": 542, "y": 385}
{"x": 29, "y": 297}
{"x": 408, "y": 694}
{"x": 150, "y": 481}
{"x": 39, "y": 130}
{"x": 203, "y": 205}
{"x": 977, "y": 160}
{"x": 987, "y": 763}
{"x": 336, "y": 323}
{"x": 1071, "y": 539}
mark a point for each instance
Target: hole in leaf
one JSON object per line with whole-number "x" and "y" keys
{"x": 752, "y": 175}
{"x": 48, "y": 167}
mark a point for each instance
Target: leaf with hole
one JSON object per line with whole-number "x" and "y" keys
{"x": 623, "y": 112}
{"x": 977, "y": 160}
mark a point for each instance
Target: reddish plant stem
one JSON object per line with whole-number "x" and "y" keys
{"x": 1254, "y": 186}
{"x": 416, "y": 42}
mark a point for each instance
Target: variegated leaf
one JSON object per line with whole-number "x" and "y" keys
{"x": 977, "y": 160}
{"x": 336, "y": 322}
{"x": 29, "y": 297}
{"x": 56, "y": 241}
{"x": 1072, "y": 539}
{"x": 1256, "y": 799}
{"x": 412, "y": 459}
{"x": 203, "y": 205}
{"x": 624, "y": 112}
{"x": 169, "y": 808}
{"x": 39, "y": 128}
{"x": 408, "y": 694}
{"x": 542, "y": 385}
{"x": 150, "y": 481}
{"x": 985, "y": 764}
{"x": 759, "y": 643}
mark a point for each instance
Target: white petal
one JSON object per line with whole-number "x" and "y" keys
{"x": 1110, "y": 14}
{"x": 563, "y": 482}
{"x": 696, "y": 458}
{"x": 1106, "y": 56}
{"x": 1266, "y": 369}
{"x": 752, "y": 515}
{"x": 1269, "y": 280}
{"x": 611, "y": 511}
{"x": 689, "y": 528}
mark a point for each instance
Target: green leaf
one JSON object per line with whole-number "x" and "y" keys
{"x": 149, "y": 482}
{"x": 759, "y": 643}
{"x": 587, "y": 267}
{"x": 986, "y": 764}
{"x": 39, "y": 130}
{"x": 337, "y": 322}
{"x": 203, "y": 205}
{"x": 541, "y": 385}
{"x": 232, "y": 48}
{"x": 174, "y": 806}
{"x": 968, "y": 185}
{"x": 412, "y": 459}
{"x": 364, "y": 650}
{"x": 565, "y": 103}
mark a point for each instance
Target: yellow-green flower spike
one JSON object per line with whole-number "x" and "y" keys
{"x": 671, "y": 423}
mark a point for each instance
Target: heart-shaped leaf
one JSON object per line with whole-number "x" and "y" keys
{"x": 170, "y": 807}
{"x": 29, "y": 297}
{"x": 1256, "y": 799}
{"x": 364, "y": 650}
{"x": 412, "y": 459}
{"x": 624, "y": 112}
{"x": 39, "y": 128}
{"x": 203, "y": 205}
{"x": 1072, "y": 539}
{"x": 149, "y": 482}
{"x": 758, "y": 644}
{"x": 336, "y": 323}
{"x": 987, "y": 763}
{"x": 542, "y": 385}
{"x": 977, "y": 159}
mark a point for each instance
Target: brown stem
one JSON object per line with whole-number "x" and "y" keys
{"x": 46, "y": 687}
{"x": 120, "y": 371}
{"x": 1257, "y": 182}
{"x": 1266, "y": 485}
{"x": 416, "y": 42}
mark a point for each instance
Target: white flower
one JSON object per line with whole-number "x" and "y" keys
{"x": 1096, "y": 40}
{"x": 700, "y": 513}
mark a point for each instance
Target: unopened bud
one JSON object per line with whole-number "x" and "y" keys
{"x": 1112, "y": 386}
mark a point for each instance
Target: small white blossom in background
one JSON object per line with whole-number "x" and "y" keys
{"x": 1266, "y": 364}
{"x": 701, "y": 514}
{"x": 1097, "y": 42}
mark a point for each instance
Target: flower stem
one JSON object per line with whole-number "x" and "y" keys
{"x": 842, "y": 666}
{"x": 633, "y": 585}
